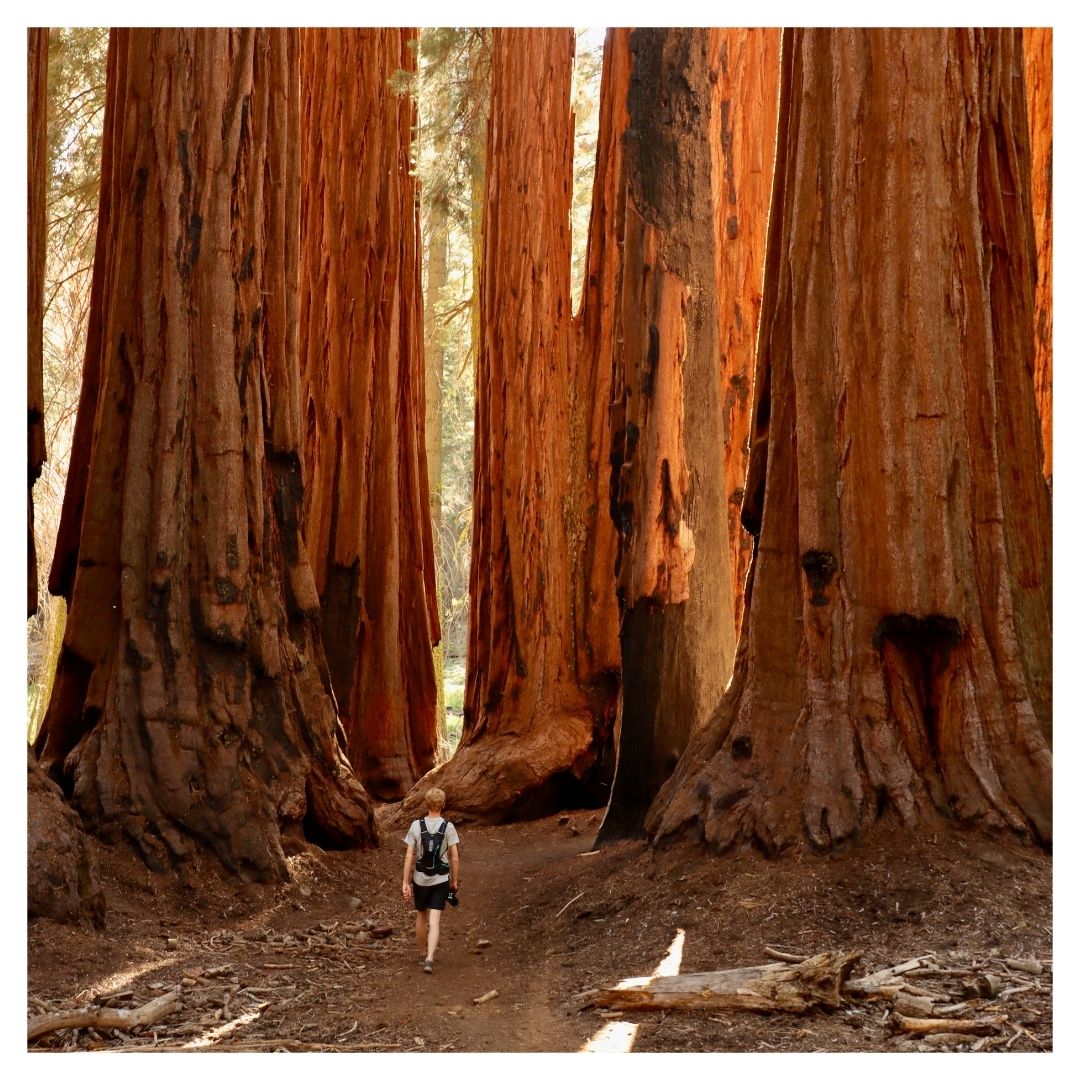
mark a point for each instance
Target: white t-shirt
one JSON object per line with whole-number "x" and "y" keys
{"x": 433, "y": 825}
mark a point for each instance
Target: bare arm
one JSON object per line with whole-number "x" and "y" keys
{"x": 454, "y": 867}
{"x": 406, "y": 874}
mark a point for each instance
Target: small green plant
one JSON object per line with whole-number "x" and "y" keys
{"x": 453, "y": 729}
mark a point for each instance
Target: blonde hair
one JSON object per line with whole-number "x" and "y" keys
{"x": 435, "y": 798}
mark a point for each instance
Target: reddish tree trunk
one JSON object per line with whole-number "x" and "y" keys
{"x": 1038, "y": 81}
{"x": 191, "y": 706}
{"x": 531, "y": 739}
{"x": 593, "y": 539}
{"x": 744, "y": 147}
{"x": 367, "y": 522}
{"x": 678, "y": 369}
{"x": 37, "y": 72}
{"x": 437, "y": 248}
{"x": 896, "y": 654}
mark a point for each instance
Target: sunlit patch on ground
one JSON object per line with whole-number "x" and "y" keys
{"x": 617, "y": 1036}
{"x": 217, "y": 1033}
{"x": 115, "y": 983}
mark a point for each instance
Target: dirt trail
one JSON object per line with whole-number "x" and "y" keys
{"x": 327, "y": 961}
{"x": 501, "y": 881}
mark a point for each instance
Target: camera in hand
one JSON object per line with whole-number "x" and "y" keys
{"x": 451, "y": 898}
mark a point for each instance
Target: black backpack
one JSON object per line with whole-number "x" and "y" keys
{"x": 428, "y": 860}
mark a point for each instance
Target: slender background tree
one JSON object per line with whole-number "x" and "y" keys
{"x": 37, "y": 70}
{"x": 75, "y": 109}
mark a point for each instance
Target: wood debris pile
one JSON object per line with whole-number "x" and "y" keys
{"x": 945, "y": 1001}
{"x": 203, "y": 1005}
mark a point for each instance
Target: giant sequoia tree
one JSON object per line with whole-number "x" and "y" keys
{"x": 37, "y": 70}
{"x": 895, "y": 659}
{"x": 592, "y": 537}
{"x": 533, "y": 737}
{"x": 366, "y": 519}
{"x": 701, "y": 109}
{"x": 191, "y": 707}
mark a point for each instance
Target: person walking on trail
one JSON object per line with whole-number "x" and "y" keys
{"x": 428, "y": 880}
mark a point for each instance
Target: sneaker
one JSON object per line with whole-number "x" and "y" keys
{"x": 428, "y": 967}
{"x": 420, "y": 959}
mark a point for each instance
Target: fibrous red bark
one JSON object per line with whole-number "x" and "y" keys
{"x": 895, "y": 658}
{"x": 747, "y": 62}
{"x": 674, "y": 367}
{"x": 532, "y": 740}
{"x": 191, "y": 707}
{"x": 593, "y": 539}
{"x": 37, "y": 71}
{"x": 1038, "y": 81}
{"x": 366, "y": 513}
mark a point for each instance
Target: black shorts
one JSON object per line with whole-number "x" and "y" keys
{"x": 430, "y": 896}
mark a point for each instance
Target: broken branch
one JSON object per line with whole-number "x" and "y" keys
{"x": 105, "y": 1019}
{"x": 913, "y": 1025}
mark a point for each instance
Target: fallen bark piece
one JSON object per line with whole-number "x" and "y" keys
{"x": 486, "y": 997}
{"x": 948, "y": 1038}
{"x": 780, "y": 987}
{"x": 105, "y": 1019}
{"x": 884, "y": 992}
{"x": 1032, "y": 967}
{"x": 913, "y": 1005}
{"x": 952, "y": 1010}
{"x": 914, "y": 1025}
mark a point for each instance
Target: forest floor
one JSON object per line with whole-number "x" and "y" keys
{"x": 327, "y": 961}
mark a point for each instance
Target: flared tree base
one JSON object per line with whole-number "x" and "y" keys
{"x": 503, "y": 778}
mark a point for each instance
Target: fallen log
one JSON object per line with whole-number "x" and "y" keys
{"x": 1031, "y": 967}
{"x": 105, "y": 1019}
{"x": 794, "y": 988}
{"x": 914, "y": 1025}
